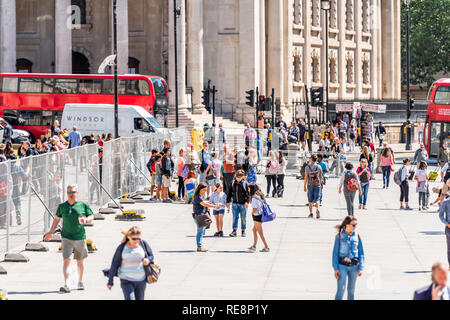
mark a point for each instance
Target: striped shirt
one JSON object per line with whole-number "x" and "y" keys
{"x": 132, "y": 268}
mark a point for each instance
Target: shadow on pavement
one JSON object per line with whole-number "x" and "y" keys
{"x": 293, "y": 205}
{"x": 31, "y": 292}
{"x": 230, "y": 251}
{"x": 432, "y": 233}
{"x": 178, "y": 251}
{"x": 409, "y": 272}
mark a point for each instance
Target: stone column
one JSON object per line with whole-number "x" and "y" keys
{"x": 374, "y": 26}
{"x": 8, "y": 36}
{"x": 122, "y": 36}
{"x": 181, "y": 43}
{"x": 275, "y": 46}
{"x": 341, "y": 59}
{"x": 388, "y": 48}
{"x": 63, "y": 37}
{"x": 194, "y": 13}
{"x": 358, "y": 51}
{"x": 262, "y": 48}
{"x": 287, "y": 53}
{"x": 397, "y": 50}
{"x": 306, "y": 63}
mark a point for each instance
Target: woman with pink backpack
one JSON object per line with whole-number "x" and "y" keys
{"x": 272, "y": 169}
{"x": 350, "y": 182}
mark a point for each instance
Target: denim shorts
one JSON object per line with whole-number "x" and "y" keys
{"x": 314, "y": 194}
{"x": 159, "y": 180}
{"x": 216, "y": 212}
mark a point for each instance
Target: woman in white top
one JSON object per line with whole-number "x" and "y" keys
{"x": 404, "y": 186}
{"x": 281, "y": 173}
{"x": 421, "y": 175}
{"x": 257, "y": 197}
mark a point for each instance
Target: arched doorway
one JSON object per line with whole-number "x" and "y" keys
{"x": 80, "y": 64}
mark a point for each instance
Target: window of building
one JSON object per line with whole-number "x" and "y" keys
{"x": 133, "y": 65}
{"x": 24, "y": 66}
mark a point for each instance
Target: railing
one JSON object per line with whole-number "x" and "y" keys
{"x": 31, "y": 187}
{"x": 235, "y": 112}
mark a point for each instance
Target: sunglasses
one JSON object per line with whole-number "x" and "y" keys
{"x": 71, "y": 192}
{"x": 136, "y": 239}
{"x": 353, "y": 224}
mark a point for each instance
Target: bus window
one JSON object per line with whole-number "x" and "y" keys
{"x": 435, "y": 138}
{"x": 132, "y": 86}
{"x": 30, "y": 85}
{"x": 122, "y": 87}
{"x": 66, "y": 86}
{"x": 442, "y": 95}
{"x": 89, "y": 86}
{"x": 31, "y": 118}
{"x": 446, "y": 134}
{"x": 47, "y": 117}
{"x": 48, "y": 85}
{"x": 144, "y": 89}
{"x": 12, "y": 117}
{"x": 108, "y": 86}
{"x": 160, "y": 90}
{"x": 9, "y": 85}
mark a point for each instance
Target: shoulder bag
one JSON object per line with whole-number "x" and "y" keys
{"x": 152, "y": 270}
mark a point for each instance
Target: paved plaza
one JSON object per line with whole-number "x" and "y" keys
{"x": 400, "y": 248}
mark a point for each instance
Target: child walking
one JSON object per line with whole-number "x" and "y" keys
{"x": 218, "y": 197}
{"x": 421, "y": 176}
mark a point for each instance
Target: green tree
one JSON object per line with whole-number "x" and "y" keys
{"x": 429, "y": 39}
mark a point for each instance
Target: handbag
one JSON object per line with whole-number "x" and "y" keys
{"x": 411, "y": 173}
{"x": 203, "y": 220}
{"x": 152, "y": 270}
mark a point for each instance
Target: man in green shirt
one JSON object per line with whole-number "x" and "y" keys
{"x": 73, "y": 236}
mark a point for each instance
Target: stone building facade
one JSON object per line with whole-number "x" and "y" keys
{"x": 237, "y": 44}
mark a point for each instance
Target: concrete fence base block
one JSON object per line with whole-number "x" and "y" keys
{"x": 106, "y": 211}
{"x": 3, "y": 270}
{"x": 137, "y": 197}
{"x": 16, "y": 257}
{"x": 56, "y": 238}
{"x": 144, "y": 193}
{"x": 114, "y": 206}
{"x": 127, "y": 201}
{"x": 36, "y": 247}
{"x": 99, "y": 216}
{"x": 147, "y": 189}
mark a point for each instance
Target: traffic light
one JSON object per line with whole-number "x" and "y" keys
{"x": 267, "y": 104}
{"x": 411, "y": 103}
{"x": 250, "y": 98}
{"x": 261, "y": 103}
{"x": 205, "y": 98}
{"x": 317, "y": 97}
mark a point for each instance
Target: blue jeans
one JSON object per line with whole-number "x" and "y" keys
{"x": 133, "y": 290}
{"x": 200, "y": 233}
{"x": 386, "y": 175}
{"x": 314, "y": 194}
{"x": 365, "y": 192}
{"x": 346, "y": 272}
{"x": 239, "y": 209}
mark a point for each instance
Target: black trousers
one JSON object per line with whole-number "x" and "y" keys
{"x": 180, "y": 187}
{"x": 271, "y": 179}
{"x": 280, "y": 180}
{"x": 404, "y": 191}
{"x": 228, "y": 182}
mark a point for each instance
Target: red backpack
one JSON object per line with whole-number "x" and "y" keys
{"x": 350, "y": 181}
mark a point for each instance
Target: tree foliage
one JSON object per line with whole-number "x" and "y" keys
{"x": 429, "y": 40}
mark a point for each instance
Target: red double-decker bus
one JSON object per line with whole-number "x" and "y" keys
{"x": 437, "y": 124}
{"x": 34, "y": 101}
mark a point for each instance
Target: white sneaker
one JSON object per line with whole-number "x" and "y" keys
{"x": 252, "y": 249}
{"x": 364, "y": 207}
{"x": 264, "y": 250}
{"x": 360, "y": 206}
{"x": 64, "y": 289}
{"x": 80, "y": 286}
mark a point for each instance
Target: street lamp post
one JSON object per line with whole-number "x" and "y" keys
{"x": 408, "y": 93}
{"x": 326, "y": 5}
{"x": 116, "y": 96}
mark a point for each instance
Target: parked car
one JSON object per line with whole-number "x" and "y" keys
{"x": 18, "y": 136}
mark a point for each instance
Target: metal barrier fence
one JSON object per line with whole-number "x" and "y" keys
{"x": 29, "y": 185}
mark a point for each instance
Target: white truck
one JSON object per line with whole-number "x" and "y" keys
{"x": 99, "y": 118}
